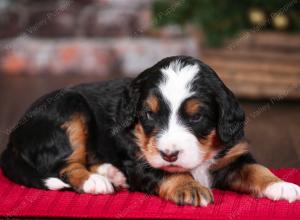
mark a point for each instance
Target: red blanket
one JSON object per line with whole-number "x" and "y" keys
{"x": 16, "y": 200}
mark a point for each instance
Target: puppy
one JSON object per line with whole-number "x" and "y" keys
{"x": 175, "y": 131}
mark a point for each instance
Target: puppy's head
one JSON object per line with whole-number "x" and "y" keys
{"x": 183, "y": 114}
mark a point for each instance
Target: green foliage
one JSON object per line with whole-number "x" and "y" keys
{"x": 220, "y": 19}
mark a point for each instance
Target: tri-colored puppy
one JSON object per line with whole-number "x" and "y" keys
{"x": 175, "y": 131}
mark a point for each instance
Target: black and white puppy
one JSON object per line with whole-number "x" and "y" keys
{"x": 174, "y": 131}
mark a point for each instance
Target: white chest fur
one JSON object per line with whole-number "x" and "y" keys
{"x": 202, "y": 175}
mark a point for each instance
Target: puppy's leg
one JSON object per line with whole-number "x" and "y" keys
{"x": 75, "y": 171}
{"x": 238, "y": 171}
{"x": 260, "y": 181}
{"x": 184, "y": 190}
{"x": 80, "y": 179}
{"x": 113, "y": 174}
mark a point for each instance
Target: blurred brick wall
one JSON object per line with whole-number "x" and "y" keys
{"x": 85, "y": 36}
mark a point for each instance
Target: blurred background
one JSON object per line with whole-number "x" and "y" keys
{"x": 253, "y": 45}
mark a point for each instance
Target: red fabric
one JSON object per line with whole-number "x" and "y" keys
{"x": 17, "y": 201}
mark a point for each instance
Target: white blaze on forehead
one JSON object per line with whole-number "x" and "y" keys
{"x": 175, "y": 89}
{"x": 176, "y": 86}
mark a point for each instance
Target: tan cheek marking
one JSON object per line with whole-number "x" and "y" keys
{"x": 153, "y": 103}
{"x": 210, "y": 145}
{"x": 76, "y": 130}
{"x": 146, "y": 144}
{"x": 192, "y": 106}
{"x": 231, "y": 155}
{"x": 141, "y": 137}
{"x": 254, "y": 179}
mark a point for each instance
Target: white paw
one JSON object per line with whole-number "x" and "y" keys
{"x": 53, "y": 183}
{"x": 113, "y": 174}
{"x": 282, "y": 190}
{"x": 97, "y": 184}
{"x": 118, "y": 179}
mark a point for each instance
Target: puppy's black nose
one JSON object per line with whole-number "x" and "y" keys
{"x": 169, "y": 156}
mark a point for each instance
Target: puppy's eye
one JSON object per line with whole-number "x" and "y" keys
{"x": 149, "y": 115}
{"x": 195, "y": 118}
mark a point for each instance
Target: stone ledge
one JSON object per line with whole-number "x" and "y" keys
{"x": 104, "y": 56}
{"x": 69, "y": 18}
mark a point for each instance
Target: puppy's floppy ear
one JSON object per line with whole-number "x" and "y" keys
{"x": 128, "y": 104}
{"x": 231, "y": 117}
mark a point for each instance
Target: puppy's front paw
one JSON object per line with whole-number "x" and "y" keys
{"x": 97, "y": 184}
{"x": 193, "y": 194}
{"x": 186, "y": 193}
{"x": 114, "y": 175}
{"x": 282, "y": 190}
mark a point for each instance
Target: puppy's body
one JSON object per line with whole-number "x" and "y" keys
{"x": 42, "y": 146}
{"x": 174, "y": 131}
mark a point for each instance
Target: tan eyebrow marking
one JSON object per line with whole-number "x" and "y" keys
{"x": 153, "y": 103}
{"x": 192, "y": 106}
